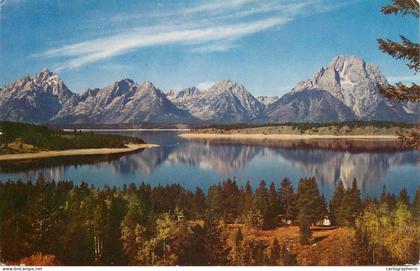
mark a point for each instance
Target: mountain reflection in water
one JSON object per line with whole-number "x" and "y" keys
{"x": 204, "y": 162}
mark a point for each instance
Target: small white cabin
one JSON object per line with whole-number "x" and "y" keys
{"x": 283, "y": 220}
{"x": 324, "y": 222}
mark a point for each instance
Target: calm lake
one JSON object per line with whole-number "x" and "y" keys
{"x": 203, "y": 163}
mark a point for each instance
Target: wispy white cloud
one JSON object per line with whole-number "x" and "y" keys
{"x": 8, "y": 2}
{"x": 214, "y": 47}
{"x": 99, "y": 49}
{"x": 217, "y": 6}
{"x": 223, "y": 24}
{"x": 224, "y": 9}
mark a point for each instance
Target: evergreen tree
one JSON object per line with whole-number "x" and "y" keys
{"x": 392, "y": 200}
{"x": 248, "y": 252}
{"x": 404, "y": 198}
{"x": 113, "y": 251}
{"x": 407, "y": 50}
{"x": 247, "y": 202}
{"x": 260, "y": 257}
{"x": 262, "y": 202}
{"x": 287, "y": 198}
{"x": 83, "y": 225}
{"x": 363, "y": 253}
{"x": 309, "y": 204}
{"x": 273, "y": 199}
{"x": 77, "y": 241}
{"x": 416, "y": 205}
{"x": 190, "y": 247}
{"x": 336, "y": 202}
{"x": 237, "y": 241}
{"x": 199, "y": 203}
{"x": 273, "y": 206}
{"x": 205, "y": 245}
{"x": 252, "y": 252}
{"x": 275, "y": 252}
{"x": 216, "y": 247}
{"x": 231, "y": 198}
{"x": 43, "y": 214}
{"x": 350, "y": 206}
{"x": 216, "y": 201}
{"x": 366, "y": 201}
{"x": 289, "y": 259}
{"x": 355, "y": 191}
{"x": 384, "y": 196}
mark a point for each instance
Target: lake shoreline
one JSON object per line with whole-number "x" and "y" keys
{"x": 282, "y": 136}
{"x": 75, "y": 152}
{"x": 129, "y": 130}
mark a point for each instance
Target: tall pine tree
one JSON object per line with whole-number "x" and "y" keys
{"x": 350, "y": 206}
{"x": 309, "y": 204}
{"x": 406, "y": 50}
{"x": 287, "y": 199}
{"x": 336, "y": 202}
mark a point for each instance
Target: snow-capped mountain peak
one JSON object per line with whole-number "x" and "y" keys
{"x": 345, "y": 89}
{"x": 351, "y": 80}
{"x": 267, "y": 100}
{"x": 225, "y": 101}
{"x": 34, "y": 99}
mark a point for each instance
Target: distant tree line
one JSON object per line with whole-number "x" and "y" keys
{"x": 43, "y": 137}
{"x": 168, "y": 225}
{"x": 304, "y": 126}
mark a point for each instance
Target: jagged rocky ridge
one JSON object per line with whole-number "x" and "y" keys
{"x": 353, "y": 81}
{"x": 37, "y": 99}
{"x": 344, "y": 90}
{"x": 224, "y": 102}
{"x": 123, "y": 102}
{"x": 267, "y": 100}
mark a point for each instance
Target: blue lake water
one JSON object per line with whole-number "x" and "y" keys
{"x": 203, "y": 163}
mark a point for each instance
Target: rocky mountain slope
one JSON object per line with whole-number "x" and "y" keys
{"x": 224, "y": 102}
{"x": 185, "y": 98}
{"x": 353, "y": 81}
{"x": 309, "y": 105}
{"x": 123, "y": 102}
{"x": 267, "y": 100}
{"x": 36, "y": 99}
{"x": 343, "y": 90}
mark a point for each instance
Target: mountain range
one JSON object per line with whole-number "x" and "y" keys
{"x": 343, "y": 90}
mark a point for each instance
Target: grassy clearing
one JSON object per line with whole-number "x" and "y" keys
{"x": 329, "y": 245}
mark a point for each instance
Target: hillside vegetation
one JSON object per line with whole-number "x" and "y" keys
{"x": 59, "y": 222}
{"x": 340, "y": 128}
{"x": 22, "y": 137}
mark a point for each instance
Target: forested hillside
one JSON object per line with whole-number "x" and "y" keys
{"x": 22, "y": 137}
{"x": 48, "y": 222}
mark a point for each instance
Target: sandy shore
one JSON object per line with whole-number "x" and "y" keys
{"x": 132, "y": 130}
{"x": 75, "y": 152}
{"x": 281, "y": 136}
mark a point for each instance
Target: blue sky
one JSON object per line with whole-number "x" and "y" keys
{"x": 268, "y": 46}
